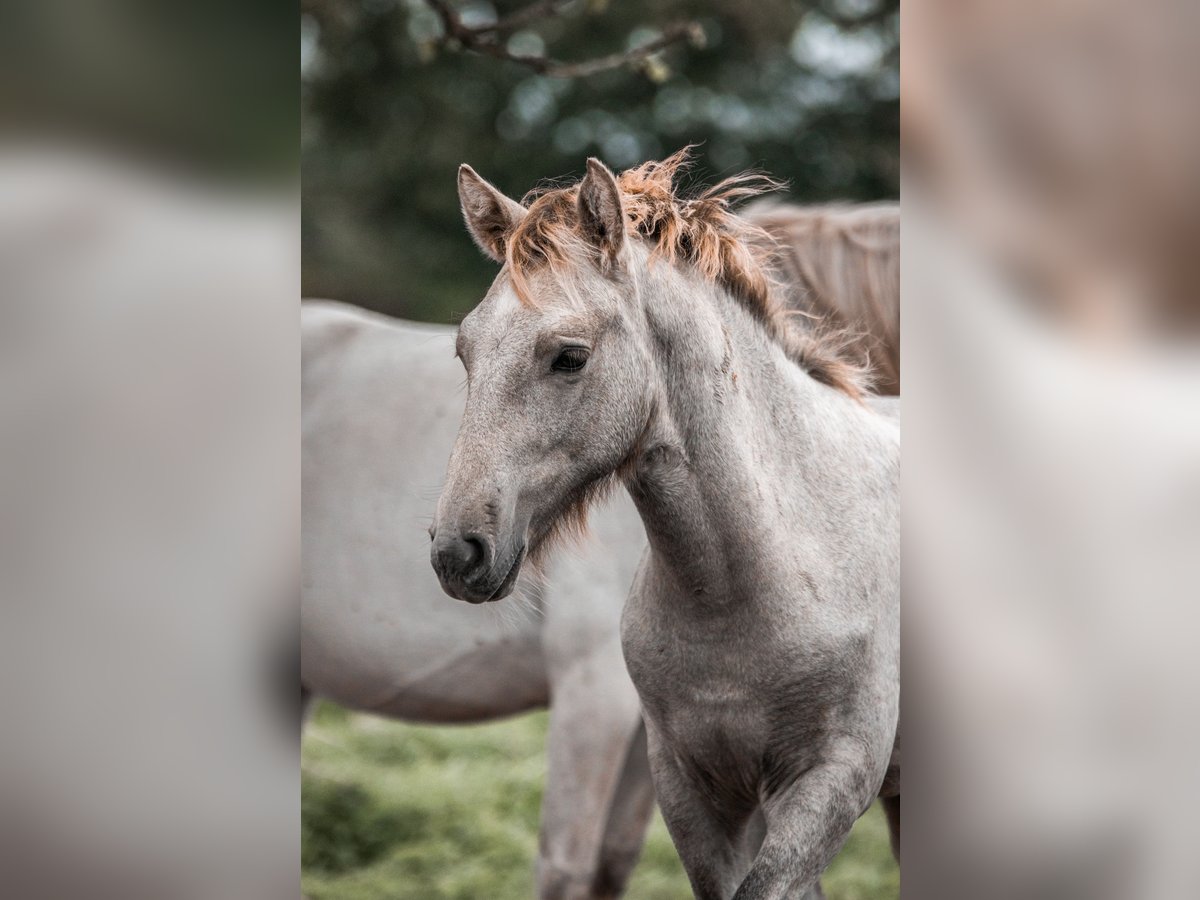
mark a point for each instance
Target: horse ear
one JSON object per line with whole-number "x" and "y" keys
{"x": 490, "y": 216}
{"x": 601, "y": 215}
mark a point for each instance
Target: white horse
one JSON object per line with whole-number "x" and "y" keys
{"x": 634, "y": 335}
{"x": 381, "y": 402}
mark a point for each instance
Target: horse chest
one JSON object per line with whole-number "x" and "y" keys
{"x": 719, "y": 736}
{"x": 739, "y": 705}
{"x": 720, "y": 663}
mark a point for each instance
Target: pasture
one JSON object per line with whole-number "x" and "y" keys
{"x": 402, "y": 812}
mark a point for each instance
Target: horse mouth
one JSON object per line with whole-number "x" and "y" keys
{"x": 509, "y": 580}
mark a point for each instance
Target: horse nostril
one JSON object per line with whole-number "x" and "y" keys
{"x": 461, "y": 555}
{"x": 473, "y": 550}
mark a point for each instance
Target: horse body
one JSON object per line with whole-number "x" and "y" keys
{"x": 762, "y": 631}
{"x": 381, "y": 400}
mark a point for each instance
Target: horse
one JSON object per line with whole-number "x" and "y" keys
{"x": 380, "y": 405}
{"x": 634, "y": 337}
{"x": 840, "y": 265}
{"x": 372, "y": 635}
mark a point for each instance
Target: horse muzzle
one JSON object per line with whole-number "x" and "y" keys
{"x": 468, "y": 569}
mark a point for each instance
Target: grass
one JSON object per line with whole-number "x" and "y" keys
{"x": 403, "y": 812}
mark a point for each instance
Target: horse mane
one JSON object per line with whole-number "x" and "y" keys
{"x": 702, "y": 230}
{"x": 841, "y": 264}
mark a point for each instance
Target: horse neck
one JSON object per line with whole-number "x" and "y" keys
{"x": 740, "y": 446}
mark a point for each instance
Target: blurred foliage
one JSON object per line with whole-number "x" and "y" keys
{"x": 806, "y": 90}
{"x": 402, "y": 812}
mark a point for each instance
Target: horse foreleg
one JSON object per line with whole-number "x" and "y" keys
{"x": 807, "y": 824}
{"x": 756, "y": 830}
{"x": 628, "y": 817}
{"x": 711, "y": 855}
{"x": 593, "y": 723}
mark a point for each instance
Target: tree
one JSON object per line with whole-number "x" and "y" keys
{"x": 396, "y": 93}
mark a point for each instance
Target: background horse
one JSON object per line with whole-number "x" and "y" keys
{"x": 840, "y": 265}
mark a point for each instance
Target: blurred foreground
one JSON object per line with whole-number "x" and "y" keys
{"x": 1051, "y": 450}
{"x": 149, "y": 407}
{"x": 149, "y": 419}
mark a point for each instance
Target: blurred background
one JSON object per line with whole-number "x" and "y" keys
{"x": 806, "y": 90}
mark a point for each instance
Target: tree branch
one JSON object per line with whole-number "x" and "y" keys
{"x": 525, "y": 16}
{"x": 484, "y": 40}
{"x": 672, "y": 34}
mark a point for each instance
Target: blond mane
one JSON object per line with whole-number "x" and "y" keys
{"x": 703, "y": 231}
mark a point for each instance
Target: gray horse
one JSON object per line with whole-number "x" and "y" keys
{"x": 381, "y": 402}
{"x": 376, "y": 638}
{"x": 635, "y": 336}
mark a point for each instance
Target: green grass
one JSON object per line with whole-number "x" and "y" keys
{"x": 403, "y": 812}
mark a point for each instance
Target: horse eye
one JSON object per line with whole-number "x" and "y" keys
{"x": 571, "y": 359}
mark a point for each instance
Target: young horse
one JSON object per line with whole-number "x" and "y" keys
{"x": 381, "y": 402}
{"x": 634, "y": 335}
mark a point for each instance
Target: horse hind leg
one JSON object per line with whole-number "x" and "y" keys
{"x": 628, "y": 818}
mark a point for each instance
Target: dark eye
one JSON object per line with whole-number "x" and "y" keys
{"x": 570, "y": 359}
